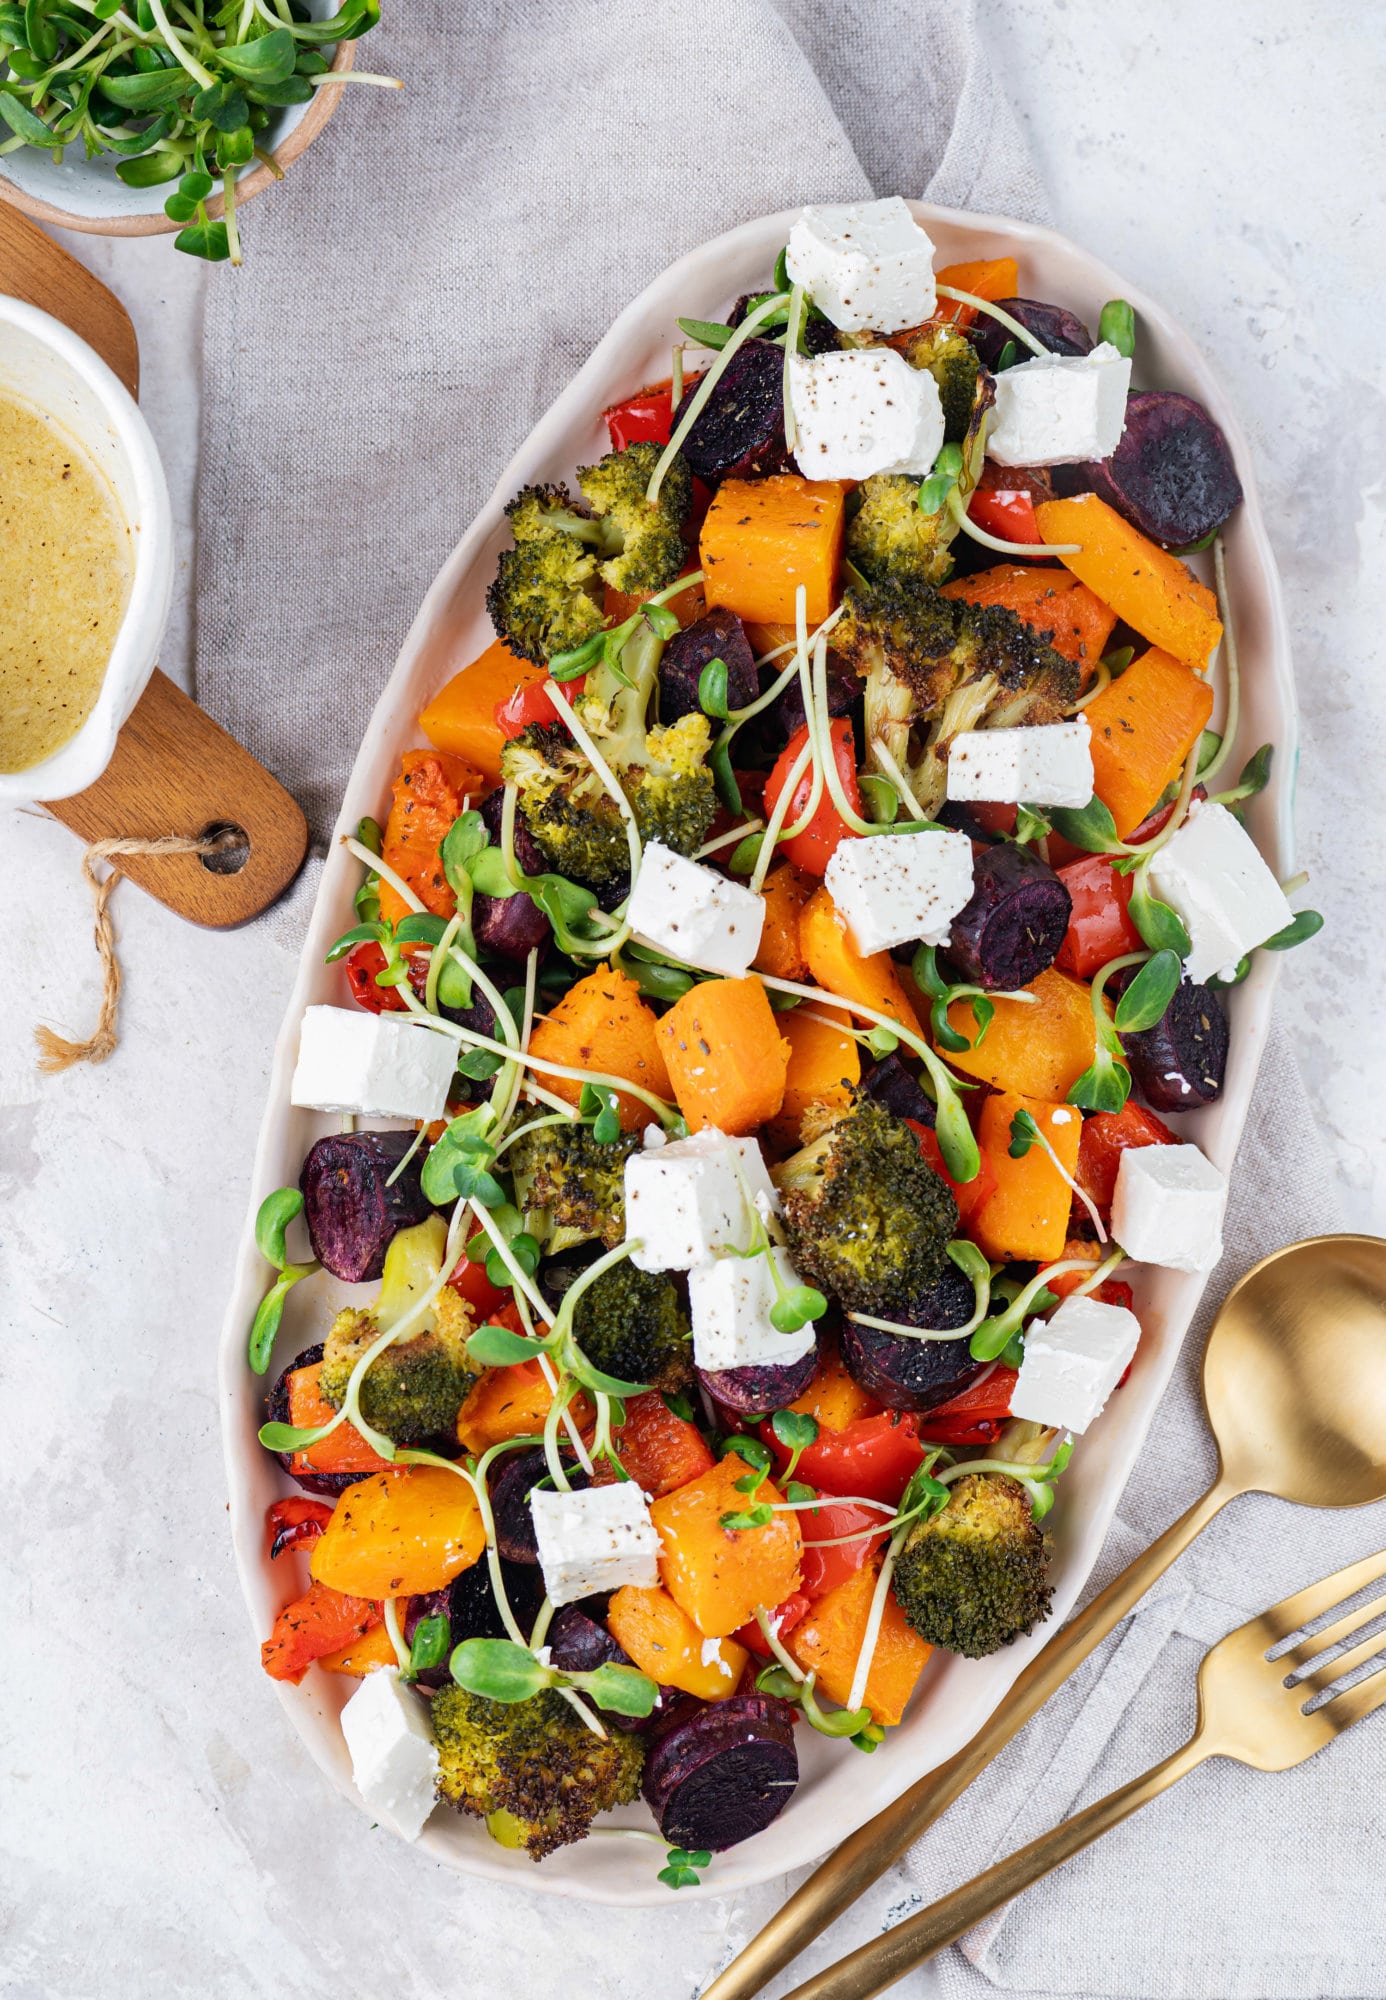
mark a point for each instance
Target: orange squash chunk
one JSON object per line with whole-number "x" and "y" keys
{"x": 787, "y": 889}
{"x": 725, "y": 1055}
{"x": 828, "y": 1641}
{"x": 427, "y": 798}
{"x": 1079, "y": 624}
{"x": 1144, "y": 584}
{"x": 462, "y": 716}
{"x": 396, "y": 1533}
{"x": 837, "y": 965}
{"x": 1144, "y": 724}
{"x": 362, "y": 1656}
{"x": 664, "y": 1643}
{"x": 603, "y": 1024}
{"x": 762, "y": 538}
{"x": 833, "y": 1398}
{"x": 1026, "y": 1215}
{"x": 1038, "y": 1048}
{"x": 719, "y": 1575}
{"x": 510, "y": 1402}
{"x": 824, "y": 1064}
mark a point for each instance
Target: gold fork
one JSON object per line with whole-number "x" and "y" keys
{"x": 1251, "y": 1707}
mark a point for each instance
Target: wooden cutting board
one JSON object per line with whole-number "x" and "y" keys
{"x": 174, "y": 770}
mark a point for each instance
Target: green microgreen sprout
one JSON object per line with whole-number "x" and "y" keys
{"x": 681, "y": 1870}
{"x": 679, "y": 1404}
{"x": 786, "y": 1679}
{"x": 1307, "y": 924}
{"x": 191, "y": 102}
{"x": 1106, "y": 1083}
{"x": 367, "y": 898}
{"x": 998, "y": 1337}
{"x": 796, "y": 1431}
{"x": 429, "y": 1646}
{"x": 932, "y": 496}
{"x": 600, "y": 1104}
{"x": 1030, "y": 824}
{"x": 1117, "y": 324}
{"x": 942, "y": 995}
{"x": 502, "y": 1671}
{"x": 712, "y": 690}
{"x": 272, "y": 1219}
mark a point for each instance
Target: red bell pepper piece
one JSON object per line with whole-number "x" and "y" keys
{"x": 320, "y": 1622}
{"x": 1106, "y": 1136}
{"x": 471, "y": 1283}
{"x": 823, "y": 1568}
{"x": 784, "y": 1618}
{"x": 644, "y": 419}
{"x": 1100, "y": 926}
{"x": 362, "y": 962}
{"x": 1006, "y": 512}
{"x": 976, "y": 1415}
{"x": 295, "y": 1523}
{"x": 812, "y": 849}
{"x": 659, "y": 1450}
{"x": 874, "y": 1457}
{"x": 969, "y": 1195}
{"x": 530, "y": 704}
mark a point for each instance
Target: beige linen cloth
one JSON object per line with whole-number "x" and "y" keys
{"x": 440, "y": 264}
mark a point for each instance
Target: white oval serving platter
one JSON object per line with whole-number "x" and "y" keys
{"x": 839, "y": 1789}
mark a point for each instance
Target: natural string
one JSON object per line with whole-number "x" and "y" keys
{"x": 56, "y": 1053}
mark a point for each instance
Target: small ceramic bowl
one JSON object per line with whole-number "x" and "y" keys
{"x": 44, "y": 364}
{"x": 77, "y": 193}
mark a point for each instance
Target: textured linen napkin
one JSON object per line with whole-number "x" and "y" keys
{"x": 442, "y": 262}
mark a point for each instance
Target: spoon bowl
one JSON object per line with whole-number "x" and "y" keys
{"x": 1294, "y": 1375}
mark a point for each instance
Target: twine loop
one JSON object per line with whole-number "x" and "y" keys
{"x": 56, "y": 1053}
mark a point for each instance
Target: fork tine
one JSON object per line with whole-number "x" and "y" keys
{"x": 1355, "y": 1704}
{"x": 1344, "y": 1664}
{"x": 1333, "y": 1635}
{"x": 1286, "y": 1617}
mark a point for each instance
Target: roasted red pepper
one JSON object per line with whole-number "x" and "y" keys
{"x": 644, "y": 419}
{"x": 969, "y": 1195}
{"x": 823, "y": 1568}
{"x": 784, "y": 1618}
{"x": 320, "y": 1622}
{"x": 530, "y": 704}
{"x": 1106, "y": 1136}
{"x": 470, "y": 1282}
{"x": 873, "y": 1457}
{"x": 1100, "y": 927}
{"x": 977, "y": 1414}
{"x": 295, "y": 1523}
{"x": 1003, "y": 502}
{"x": 660, "y": 1451}
{"x": 812, "y": 849}
{"x": 362, "y": 962}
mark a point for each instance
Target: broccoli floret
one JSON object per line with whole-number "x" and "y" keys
{"x": 532, "y": 1769}
{"x": 546, "y": 596}
{"x": 662, "y": 770}
{"x": 972, "y": 1578}
{"x": 867, "y": 1217}
{"x": 890, "y": 536}
{"x": 574, "y": 1182}
{"x": 952, "y": 361}
{"x": 965, "y": 666}
{"x": 411, "y": 1392}
{"x": 632, "y": 1324}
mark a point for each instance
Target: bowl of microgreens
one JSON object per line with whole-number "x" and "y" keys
{"x": 131, "y": 122}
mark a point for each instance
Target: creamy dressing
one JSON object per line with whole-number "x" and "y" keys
{"x": 66, "y": 563}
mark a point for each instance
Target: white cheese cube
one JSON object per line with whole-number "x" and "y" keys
{"x": 863, "y": 411}
{"x": 687, "y": 1200}
{"x": 372, "y": 1065}
{"x": 900, "y": 888}
{"x": 1060, "y": 409}
{"x": 599, "y": 1539}
{"x": 1044, "y": 764}
{"x": 864, "y": 264}
{"x": 394, "y": 1760}
{"x": 1073, "y": 1361}
{"x": 1211, "y": 873}
{"x": 729, "y": 1301}
{"x": 694, "y": 914}
{"x": 1168, "y": 1207}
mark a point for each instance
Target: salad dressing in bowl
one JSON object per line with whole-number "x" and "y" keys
{"x": 66, "y": 568}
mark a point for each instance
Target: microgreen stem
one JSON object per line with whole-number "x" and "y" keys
{"x": 779, "y": 814}
{"x": 866, "y": 1653}
{"x": 1012, "y": 325}
{"x": 1232, "y": 720}
{"x": 176, "y": 47}
{"x": 730, "y": 839}
{"x": 791, "y": 348}
{"x": 957, "y": 507}
{"x": 390, "y": 1609}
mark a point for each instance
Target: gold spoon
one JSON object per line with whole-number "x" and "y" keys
{"x": 1294, "y": 1385}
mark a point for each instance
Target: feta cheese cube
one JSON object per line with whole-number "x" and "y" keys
{"x": 371, "y": 1065}
{"x": 1045, "y": 764}
{"x": 1168, "y": 1207}
{"x": 863, "y": 411}
{"x": 686, "y": 1200}
{"x": 729, "y": 1301}
{"x": 900, "y": 888}
{"x": 864, "y": 264}
{"x": 394, "y": 1760}
{"x": 1060, "y": 409}
{"x": 599, "y": 1539}
{"x": 694, "y": 914}
{"x": 1073, "y": 1361}
{"x": 1211, "y": 873}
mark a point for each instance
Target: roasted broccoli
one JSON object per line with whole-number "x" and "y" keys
{"x": 890, "y": 536}
{"x": 662, "y": 770}
{"x": 411, "y": 1392}
{"x": 532, "y": 1769}
{"x": 972, "y": 1578}
{"x": 966, "y": 666}
{"x": 571, "y": 1186}
{"x": 867, "y": 1218}
{"x": 632, "y": 1324}
{"x": 952, "y": 361}
{"x": 547, "y": 592}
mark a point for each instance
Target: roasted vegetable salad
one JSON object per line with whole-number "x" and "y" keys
{"x": 771, "y": 978}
